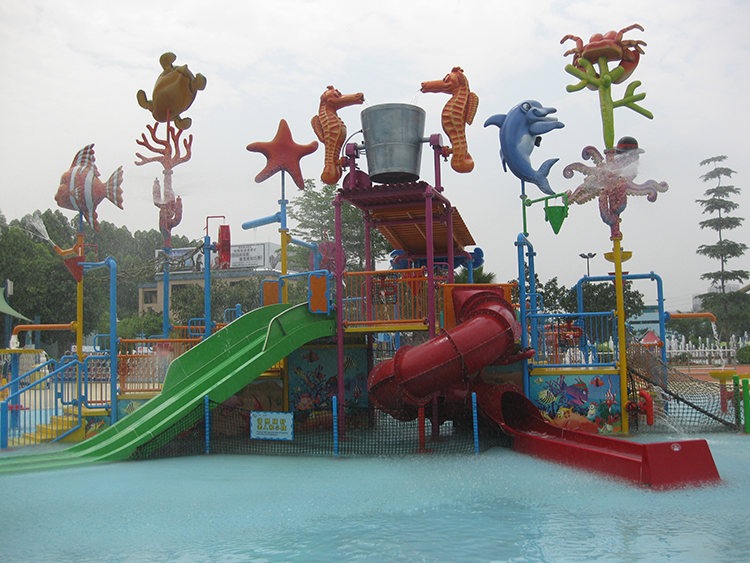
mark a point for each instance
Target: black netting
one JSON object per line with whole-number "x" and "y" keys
{"x": 367, "y": 431}
{"x": 681, "y": 403}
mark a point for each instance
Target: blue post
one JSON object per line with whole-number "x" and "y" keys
{"x": 476, "y": 422}
{"x": 3, "y": 425}
{"x": 521, "y": 243}
{"x": 113, "y": 414}
{"x": 112, "y": 265}
{"x": 208, "y": 425}
{"x": 335, "y": 427}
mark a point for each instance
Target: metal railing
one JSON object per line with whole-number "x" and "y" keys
{"x": 32, "y": 410}
{"x": 97, "y": 388}
{"x": 577, "y": 339}
{"x": 393, "y": 297}
{"x": 142, "y": 363}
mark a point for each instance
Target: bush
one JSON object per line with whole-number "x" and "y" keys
{"x": 743, "y": 355}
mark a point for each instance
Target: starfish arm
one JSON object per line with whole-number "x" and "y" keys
{"x": 282, "y": 154}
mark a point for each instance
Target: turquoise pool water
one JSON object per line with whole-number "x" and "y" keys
{"x": 499, "y": 506}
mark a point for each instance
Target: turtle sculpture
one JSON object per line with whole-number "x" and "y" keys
{"x": 174, "y": 92}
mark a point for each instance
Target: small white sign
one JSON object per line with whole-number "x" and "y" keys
{"x": 271, "y": 425}
{"x": 248, "y": 256}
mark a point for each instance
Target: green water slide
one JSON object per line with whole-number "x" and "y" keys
{"x": 219, "y": 367}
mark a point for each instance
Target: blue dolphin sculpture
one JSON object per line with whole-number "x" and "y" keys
{"x": 520, "y": 131}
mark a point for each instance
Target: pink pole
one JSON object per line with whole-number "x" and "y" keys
{"x": 449, "y": 228}
{"x": 430, "y": 263}
{"x": 339, "y": 310}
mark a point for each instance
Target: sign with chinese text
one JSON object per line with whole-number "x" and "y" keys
{"x": 271, "y": 425}
{"x": 248, "y": 256}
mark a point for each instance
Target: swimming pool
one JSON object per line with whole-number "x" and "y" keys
{"x": 498, "y": 506}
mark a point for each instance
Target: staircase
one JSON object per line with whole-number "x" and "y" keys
{"x": 45, "y": 433}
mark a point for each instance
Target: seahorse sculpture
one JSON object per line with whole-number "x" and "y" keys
{"x": 331, "y": 130}
{"x": 460, "y": 110}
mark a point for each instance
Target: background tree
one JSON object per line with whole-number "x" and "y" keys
{"x": 480, "y": 276}
{"x": 718, "y": 202}
{"x": 597, "y": 297}
{"x": 732, "y": 310}
{"x": 691, "y": 329}
{"x": 187, "y": 299}
{"x": 313, "y": 211}
{"x": 44, "y": 287}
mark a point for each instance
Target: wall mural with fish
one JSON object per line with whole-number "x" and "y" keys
{"x": 312, "y": 377}
{"x": 590, "y": 403}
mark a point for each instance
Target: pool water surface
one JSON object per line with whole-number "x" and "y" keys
{"x": 498, "y": 506}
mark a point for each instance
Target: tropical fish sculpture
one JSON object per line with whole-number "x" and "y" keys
{"x": 331, "y": 130}
{"x": 457, "y": 113}
{"x": 520, "y": 132}
{"x": 174, "y": 92}
{"x": 82, "y": 190}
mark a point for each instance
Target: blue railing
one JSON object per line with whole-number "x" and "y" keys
{"x": 574, "y": 339}
{"x": 32, "y": 409}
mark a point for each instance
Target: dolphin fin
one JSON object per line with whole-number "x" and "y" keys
{"x": 497, "y": 119}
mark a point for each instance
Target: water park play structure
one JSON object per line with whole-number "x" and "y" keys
{"x": 551, "y": 385}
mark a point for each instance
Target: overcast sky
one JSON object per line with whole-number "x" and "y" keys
{"x": 70, "y": 72}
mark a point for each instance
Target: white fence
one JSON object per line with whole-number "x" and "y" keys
{"x": 708, "y": 352}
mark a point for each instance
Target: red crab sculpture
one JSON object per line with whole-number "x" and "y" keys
{"x": 612, "y": 47}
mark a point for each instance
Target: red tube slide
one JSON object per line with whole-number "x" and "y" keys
{"x": 486, "y": 332}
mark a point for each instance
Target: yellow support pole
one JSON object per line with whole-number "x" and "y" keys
{"x": 623, "y": 361}
{"x": 285, "y": 236}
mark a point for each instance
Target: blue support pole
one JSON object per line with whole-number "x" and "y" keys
{"x": 113, "y": 414}
{"x": 522, "y": 242}
{"x": 112, "y": 265}
{"x": 476, "y": 422}
{"x": 208, "y": 424}
{"x": 4, "y": 425}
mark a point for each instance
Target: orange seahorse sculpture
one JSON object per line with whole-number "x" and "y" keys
{"x": 460, "y": 110}
{"x": 331, "y": 130}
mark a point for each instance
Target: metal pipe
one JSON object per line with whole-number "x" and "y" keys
{"x": 275, "y": 218}
{"x": 23, "y": 328}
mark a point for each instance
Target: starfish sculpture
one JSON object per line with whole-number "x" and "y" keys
{"x": 282, "y": 154}
{"x": 611, "y": 179}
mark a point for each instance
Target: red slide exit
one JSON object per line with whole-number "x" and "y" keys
{"x": 659, "y": 464}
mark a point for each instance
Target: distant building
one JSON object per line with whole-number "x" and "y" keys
{"x": 698, "y": 301}
{"x": 247, "y": 261}
{"x": 647, "y": 320}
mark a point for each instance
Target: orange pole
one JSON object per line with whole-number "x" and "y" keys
{"x": 23, "y": 328}
{"x": 693, "y": 316}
